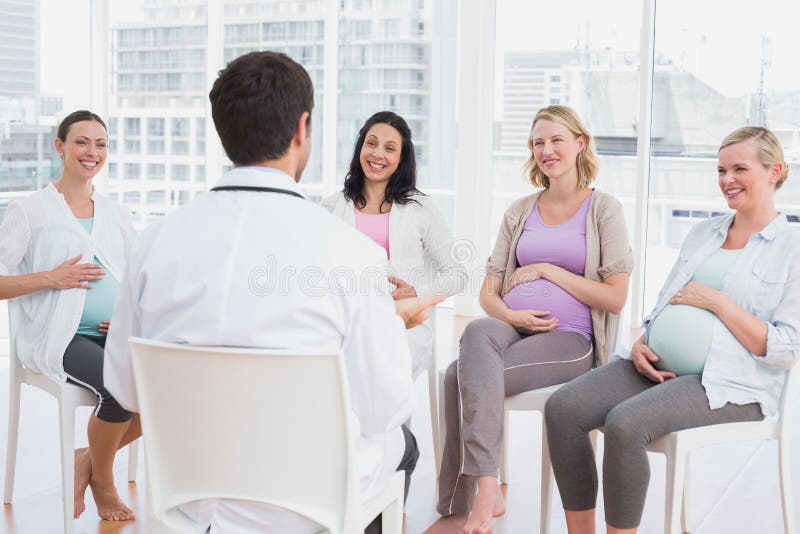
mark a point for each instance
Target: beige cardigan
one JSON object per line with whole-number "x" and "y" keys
{"x": 607, "y": 252}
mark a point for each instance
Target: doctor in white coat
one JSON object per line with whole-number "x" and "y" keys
{"x": 227, "y": 270}
{"x": 381, "y": 200}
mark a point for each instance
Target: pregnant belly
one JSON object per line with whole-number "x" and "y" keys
{"x": 681, "y": 336}
{"x": 99, "y": 303}
{"x": 572, "y": 314}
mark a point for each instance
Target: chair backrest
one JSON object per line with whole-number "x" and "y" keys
{"x": 268, "y": 426}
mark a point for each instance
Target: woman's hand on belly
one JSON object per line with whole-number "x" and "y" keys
{"x": 103, "y": 327}
{"x": 698, "y": 295}
{"x": 530, "y": 322}
{"x": 521, "y": 275}
{"x": 643, "y": 359}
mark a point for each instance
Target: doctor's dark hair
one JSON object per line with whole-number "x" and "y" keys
{"x": 77, "y": 116}
{"x": 402, "y": 184}
{"x": 256, "y": 102}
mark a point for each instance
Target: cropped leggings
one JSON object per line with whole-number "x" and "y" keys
{"x": 633, "y": 411}
{"x": 83, "y": 363}
{"x": 495, "y": 361}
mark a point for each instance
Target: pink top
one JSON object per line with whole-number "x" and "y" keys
{"x": 374, "y": 226}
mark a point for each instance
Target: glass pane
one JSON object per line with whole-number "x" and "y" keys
{"x": 295, "y": 28}
{"x": 712, "y": 75}
{"x": 158, "y": 97}
{"x": 386, "y": 62}
{"x": 38, "y": 88}
{"x": 586, "y": 57}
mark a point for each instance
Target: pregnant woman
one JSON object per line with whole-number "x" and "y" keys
{"x": 724, "y": 331}
{"x": 555, "y": 282}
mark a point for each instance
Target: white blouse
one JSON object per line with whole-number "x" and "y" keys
{"x": 422, "y": 252}
{"x": 39, "y": 233}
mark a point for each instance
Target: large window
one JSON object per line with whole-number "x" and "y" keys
{"x": 713, "y": 74}
{"x": 38, "y": 87}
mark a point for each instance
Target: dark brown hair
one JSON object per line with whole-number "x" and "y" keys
{"x": 77, "y": 116}
{"x": 256, "y": 102}
{"x": 402, "y": 184}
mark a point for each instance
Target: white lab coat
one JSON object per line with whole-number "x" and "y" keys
{"x": 228, "y": 270}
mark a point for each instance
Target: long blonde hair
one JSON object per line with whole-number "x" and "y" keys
{"x": 587, "y": 163}
{"x": 770, "y": 150}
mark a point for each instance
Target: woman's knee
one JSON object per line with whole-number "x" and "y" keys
{"x": 482, "y": 330}
{"x": 622, "y": 428}
{"x": 562, "y": 406}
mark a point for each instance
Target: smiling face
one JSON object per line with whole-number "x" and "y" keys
{"x": 744, "y": 180}
{"x": 380, "y": 153}
{"x": 84, "y": 150}
{"x": 556, "y": 149}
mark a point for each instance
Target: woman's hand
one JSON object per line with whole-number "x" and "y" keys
{"x": 697, "y": 295}
{"x": 415, "y": 311}
{"x": 523, "y": 275}
{"x": 72, "y": 274}
{"x": 404, "y": 289}
{"x": 643, "y": 359}
{"x": 103, "y": 327}
{"x": 529, "y": 322}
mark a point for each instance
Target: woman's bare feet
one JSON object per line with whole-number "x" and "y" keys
{"x": 109, "y": 506}
{"x": 83, "y": 473}
{"x": 484, "y": 507}
{"x": 499, "y": 503}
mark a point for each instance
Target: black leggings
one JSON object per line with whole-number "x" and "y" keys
{"x": 83, "y": 363}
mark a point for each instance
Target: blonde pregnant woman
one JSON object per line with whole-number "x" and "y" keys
{"x": 556, "y": 280}
{"x": 719, "y": 341}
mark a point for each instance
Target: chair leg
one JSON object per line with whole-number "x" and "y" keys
{"x": 442, "y": 423}
{"x": 785, "y": 472}
{"x": 504, "y": 451}
{"x": 12, "y": 439}
{"x": 547, "y": 478}
{"x": 685, "y": 517}
{"x": 133, "y": 460}
{"x": 392, "y": 518}
{"x": 433, "y": 400}
{"x": 676, "y": 465}
{"x": 66, "y": 415}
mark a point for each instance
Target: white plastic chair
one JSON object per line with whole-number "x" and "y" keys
{"x": 70, "y": 397}
{"x": 677, "y": 446}
{"x": 267, "y": 426}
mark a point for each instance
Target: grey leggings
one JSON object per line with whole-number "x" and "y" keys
{"x": 495, "y": 361}
{"x": 633, "y": 411}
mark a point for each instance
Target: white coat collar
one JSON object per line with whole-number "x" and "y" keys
{"x": 260, "y": 177}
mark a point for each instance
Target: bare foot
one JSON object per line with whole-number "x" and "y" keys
{"x": 499, "y": 503}
{"x": 480, "y": 518}
{"x": 109, "y": 506}
{"x": 83, "y": 472}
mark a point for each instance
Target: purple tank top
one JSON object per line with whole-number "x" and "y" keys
{"x": 563, "y": 245}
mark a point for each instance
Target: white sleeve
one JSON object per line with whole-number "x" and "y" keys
{"x": 378, "y": 360}
{"x": 450, "y": 257}
{"x": 125, "y": 323}
{"x": 14, "y": 237}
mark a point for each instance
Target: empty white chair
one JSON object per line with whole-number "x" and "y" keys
{"x": 267, "y": 426}
{"x": 69, "y": 397}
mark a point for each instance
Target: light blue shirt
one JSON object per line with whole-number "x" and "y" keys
{"x": 764, "y": 279}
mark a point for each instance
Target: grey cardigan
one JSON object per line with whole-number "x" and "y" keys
{"x": 608, "y": 252}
